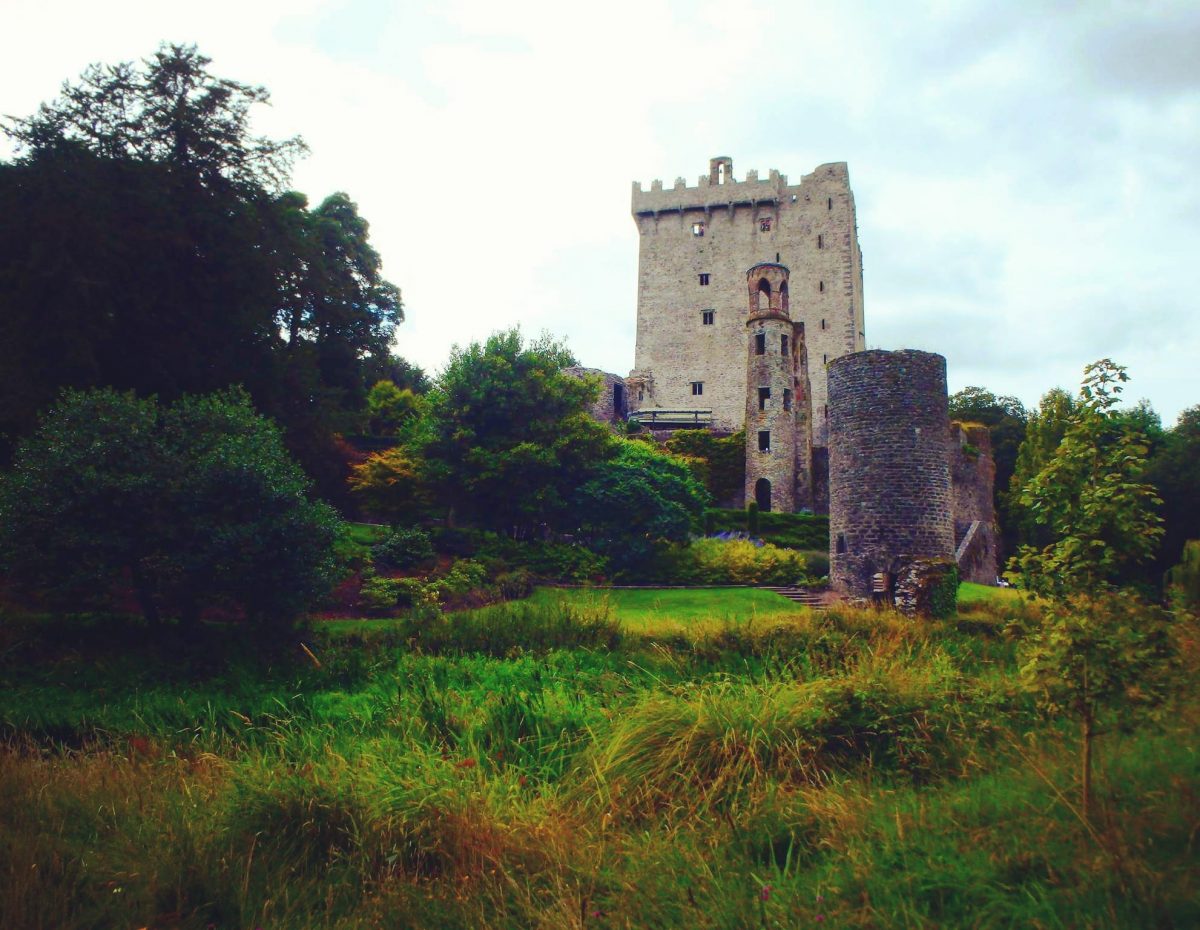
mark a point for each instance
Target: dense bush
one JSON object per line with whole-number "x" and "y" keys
{"x": 792, "y": 530}
{"x": 725, "y": 561}
{"x": 550, "y": 561}
{"x": 404, "y": 547}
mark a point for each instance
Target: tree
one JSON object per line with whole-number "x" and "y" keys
{"x": 1099, "y": 515}
{"x": 1174, "y": 470}
{"x": 509, "y": 437}
{"x": 389, "y": 407}
{"x": 145, "y": 244}
{"x": 194, "y": 505}
{"x": 390, "y": 485}
{"x": 635, "y": 499}
{"x": 720, "y": 460}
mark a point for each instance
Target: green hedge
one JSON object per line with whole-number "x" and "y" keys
{"x": 791, "y": 530}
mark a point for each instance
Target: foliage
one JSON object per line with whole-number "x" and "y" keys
{"x": 390, "y": 485}
{"x": 404, "y": 547}
{"x": 720, "y": 460}
{"x": 196, "y": 505}
{"x": 806, "y": 531}
{"x": 509, "y": 435}
{"x": 388, "y": 407}
{"x": 1044, "y": 431}
{"x": 752, "y": 518}
{"x": 1174, "y": 470}
{"x": 1183, "y": 581}
{"x": 724, "y": 561}
{"x": 547, "y": 560}
{"x": 635, "y": 499}
{"x": 943, "y": 595}
{"x": 145, "y": 244}
{"x": 1101, "y": 659}
{"x": 1006, "y": 420}
{"x": 1100, "y": 516}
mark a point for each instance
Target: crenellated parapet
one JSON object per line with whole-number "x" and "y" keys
{"x": 720, "y": 190}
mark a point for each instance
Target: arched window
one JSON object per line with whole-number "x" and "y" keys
{"x": 762, "y": 494}
{"x": 764, "y": 294}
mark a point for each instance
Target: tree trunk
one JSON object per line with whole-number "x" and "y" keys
{"x": 1086, "y": 773}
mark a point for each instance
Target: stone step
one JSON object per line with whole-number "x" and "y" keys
{"x": 806, "y": 597}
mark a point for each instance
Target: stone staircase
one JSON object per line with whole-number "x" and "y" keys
{"x": 806, "y": 597}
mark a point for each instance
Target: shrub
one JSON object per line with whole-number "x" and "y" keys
{"x": 405, "y": 547}
{"x": 752, "y": 518}
{"x": 551, "y": 561}
{"x": 515, "y": 585}
{"x": 726, "y": 561}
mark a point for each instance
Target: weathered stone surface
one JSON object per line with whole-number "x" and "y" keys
{"x": 811, "y": 229}
{"x": 972, "y": 476}
{"x": 613, "y": 401}
{"x": 918, "y": 584}
{"x": 889, "y": 474}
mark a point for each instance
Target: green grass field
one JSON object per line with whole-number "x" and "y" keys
{"x": 582, "y": 759}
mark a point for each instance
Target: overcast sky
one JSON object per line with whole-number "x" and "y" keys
{"x": 1027, "y": 174}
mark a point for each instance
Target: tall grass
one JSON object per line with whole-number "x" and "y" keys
{"x": 540, "y": 767}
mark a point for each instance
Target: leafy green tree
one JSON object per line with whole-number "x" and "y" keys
{"x": 389, "y": 407}
{"x": 193, "y": 505}
{"x": 391, "y": 485}
{"x": 1107, "y": 660}
{"x": 1174, "y": 470}
{"x": 1044, "y": 431}
{"x": 1099, "y": 515}
{"x": 639, "y": 497}
{"x": 509, "y": 436}
{"x": 720, "y": 461}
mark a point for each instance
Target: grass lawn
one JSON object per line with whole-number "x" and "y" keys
{"x": 971, "y": 593}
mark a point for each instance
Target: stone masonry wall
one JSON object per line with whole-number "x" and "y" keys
{"x": 613, "y": 401}
{"x": 889, "y": 474}
{"x": 810, "y": 227}
{"x": 972, "y": 476}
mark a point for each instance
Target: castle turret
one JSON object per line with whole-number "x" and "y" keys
{"x": 778, "y": 443}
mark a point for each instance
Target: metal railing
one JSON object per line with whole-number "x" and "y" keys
{"x": 652, "y": 418}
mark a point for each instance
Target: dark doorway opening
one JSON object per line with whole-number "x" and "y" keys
{"x": 762, "y": 494}
{"x": 619, "y": 400}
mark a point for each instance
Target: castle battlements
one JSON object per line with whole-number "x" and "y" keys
{"x": 719, "y": 189}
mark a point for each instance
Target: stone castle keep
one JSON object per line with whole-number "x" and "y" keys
{"x": 750, "y": 315}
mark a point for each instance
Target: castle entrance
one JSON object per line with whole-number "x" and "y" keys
{"x": 762, "y": 494}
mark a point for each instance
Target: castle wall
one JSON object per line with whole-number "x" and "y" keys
{"x": 889, "y": 471}
{"x": 812, "y": 230}
{"x": 972, "y": 476}
{"x": 612, "y": 403}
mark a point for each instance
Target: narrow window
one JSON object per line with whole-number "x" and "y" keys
{"x": 697, "y": 229}
{"x": 824, "y": 359}
{"x": 641, "y": 396}
{"x": 794, "y": 198}
{"x": 822, "y": 324}
{"x": 760, "y": 343}
{"x": 764, "y": 440}
{"x": 764, "y": 395}
{"x": 820, "y": 241}
{"x": 704, "y": 280}
{"x": 787, "y": 398}
{"x": 821, "y": 287}
{"x": 841, "y": 543}
{"x": 830, "y": 203}
{"x": 707, "y": 317}
{"x": 827, "y": 411}
{"x": 697, "y": 388}
{"x": 783, "y": 344}
{"x": 776, "y": 256}
{"x": 764, "y": 225}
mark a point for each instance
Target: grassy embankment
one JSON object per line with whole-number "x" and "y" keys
{"x": 548, "y": 764}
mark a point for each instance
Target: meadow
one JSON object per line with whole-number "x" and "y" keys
{"x": 583, "y": 758}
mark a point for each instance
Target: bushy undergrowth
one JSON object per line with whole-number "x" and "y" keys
{"x": 533, "y": 765}
{"x": 806, "y": 531}
{"x": 725, "y": 561}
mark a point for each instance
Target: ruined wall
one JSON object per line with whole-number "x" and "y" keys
{"x": 720, "y": 228}
{"x": 889, "y": 472}
{"x": 972, "y": 476}
{"x": 613, "y": 402}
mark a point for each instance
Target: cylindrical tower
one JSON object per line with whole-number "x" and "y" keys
{"x": 770, "y": 391}
{"x": 889, "y": 474}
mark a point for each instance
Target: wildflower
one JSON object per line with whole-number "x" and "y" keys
{"x": 765, "y": 893}
{"x": 820, "y": 918}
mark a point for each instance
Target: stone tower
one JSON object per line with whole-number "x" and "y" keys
{"x": 889, "y": 468}
{"x": 778, "y": 438}
{"x": 695, "y": 244}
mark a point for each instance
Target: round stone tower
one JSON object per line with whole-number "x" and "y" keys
{"x": 889, "y": 473}
{"x": 770, "y": 391}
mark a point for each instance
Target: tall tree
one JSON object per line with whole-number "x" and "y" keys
{"x": 1044, "y": 431}
{"x": 1174, "y": 470}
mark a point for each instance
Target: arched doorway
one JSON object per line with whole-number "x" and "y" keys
{"x": 762, "y": 494}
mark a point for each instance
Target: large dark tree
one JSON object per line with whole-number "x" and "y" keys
{"x": 1174, "y": 470}
{"x": 146, "y": 242}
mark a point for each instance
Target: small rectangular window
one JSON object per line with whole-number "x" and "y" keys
{"x": 760, "y": 343}
{"x": 704, "y": 280}
{"x": 697, "y": 388}
{"x": 707, "y": 317}
{"x": 764, "y": 224}
{"x": 821, "y": 287}
{"x": 697, "y": 229}
{"x": 764, "y": 440}
{"x": 820, "y": 241}
{"x": 822, "y": 324}
{"x": 764, "y": 395}
{"x": 783, "y": 344}
{"x": 830, "y": 203}
{"x": 824, "y": 359}
{"x": 787, "y": 398}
